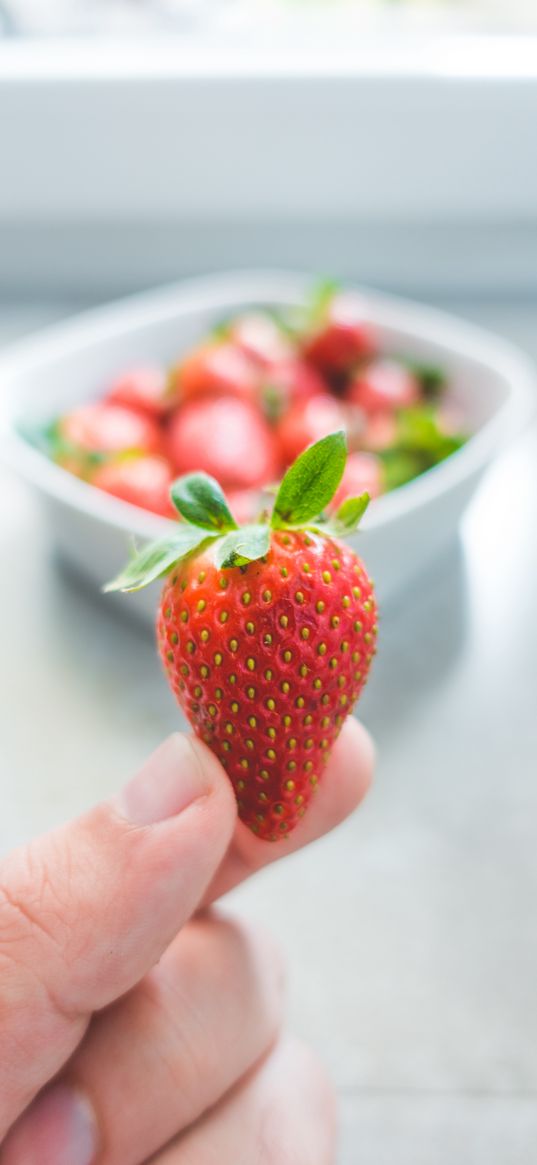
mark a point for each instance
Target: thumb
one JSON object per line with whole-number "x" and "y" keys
{"x": 87, "y": 910}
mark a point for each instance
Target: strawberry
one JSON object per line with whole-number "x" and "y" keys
{"x": 287, "y": 383}
{"x": 145, "y": 389}
{"x": 224, "y": 437}
{"x": 266, "y": 633}
{"x": 307, "y": 422}
{"x": 142, "y": 481}
{"x": 245, "y": 504}
{"x": 363, "y": 474}
{"x": 108, "y": 428}
{"x": 339, "y": 335}
{"x": 220, "y": 368}
{"x": 380, "y": 431}
{"x": 384, "y": 386}
{"x": 261, "y": 338}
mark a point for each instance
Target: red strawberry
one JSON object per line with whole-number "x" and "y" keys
{"x": 260, "y": 337}
{"x": 217, "y": 369}
{"x": 266, "y": 633}
{"x": 143, "y": 389}
{"x": 341, "y": 336}
{"x": 308, "y": 422}
{"x": 384, "y": 386}
{"x": 245, "y": 504}
{"x": 225, "y": 437}
{"x": 288, "y": 383}
{"x": 142, "y": 481}
{"x": 380, "y": 431}
{"x": 363, "y": 474}
{"x": 109, "y": 428}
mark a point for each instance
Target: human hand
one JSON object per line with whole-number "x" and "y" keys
{"x": 158, "y": 1024}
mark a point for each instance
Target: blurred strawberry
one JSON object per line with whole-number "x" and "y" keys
{"x": 246, "y": 504}
{"x": 431, "y": 378}
{"x": 384, "y": 386}
{"x": 217, "y": 369}
{"x": 142, "y": 481}
{"x": 145, "y": 389}
{"x": 108, "y": 428}
{"x": 341, "y": 336}
{"x": 79, "y": 464}
{"x": 380, "y": 431}
{"x": 226, "y": 438}
{"x": 287, "y": 383}
{"x": 363, "y": 474}
{"x": 260, "y": 338}
{"x": 308, "y": 422}
{"x": 450, "y": 419}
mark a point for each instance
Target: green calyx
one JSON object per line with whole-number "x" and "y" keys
{"x": 420, "y": 444}
{"x": 304, "y": 493}
{"x": 49, "y": 440}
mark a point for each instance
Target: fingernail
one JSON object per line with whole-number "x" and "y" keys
{"x": 169, "y": 782}
{"x": 59, "y": 1128}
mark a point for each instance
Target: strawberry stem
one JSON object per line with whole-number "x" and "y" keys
{"x": 306, "y": 490}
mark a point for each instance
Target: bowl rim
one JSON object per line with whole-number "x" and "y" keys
{"x": 465, "y": 340}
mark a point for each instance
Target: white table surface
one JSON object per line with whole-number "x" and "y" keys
{"x": 410, "y": 932}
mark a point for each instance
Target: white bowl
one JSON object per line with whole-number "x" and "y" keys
{"x": 492, "y": 384}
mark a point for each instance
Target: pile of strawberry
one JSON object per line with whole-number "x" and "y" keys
{"x": 244, "y": 404}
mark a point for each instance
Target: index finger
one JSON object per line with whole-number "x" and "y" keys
{"x": 345, "y": 782}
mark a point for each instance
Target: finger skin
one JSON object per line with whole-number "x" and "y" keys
{"x": 193, "y": 1027}
{"x": 283, "y": 1113}
{"x": 346, "y": 780}
{"x": 86, "y": 911}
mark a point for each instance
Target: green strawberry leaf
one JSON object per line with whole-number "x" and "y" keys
{"x": 322, "y": 295}
{"x": 352, "y": 510}
{"x": 348, "y": 516}
{"x": 243, "y": 546}
{"x": 43, "y": 437}
{"x": 400, "y": 467}
{"x": 286, "y": 319}
{"x": 431, "y": 378}
{"x": 310, "y": 484}
{"x": 273, "y": 402}
{"x": 156, "y": 559}
{"x": 418, "y": 430}
{"x": 200, "y": 500}
{"x": 47, "y": 438}
{"x": 312, "y": 314}
{"x": 221, "y": 330}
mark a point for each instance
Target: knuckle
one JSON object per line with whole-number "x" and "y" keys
{"x": 220, "y": 977}
{"x": 247, "y": 955}
{"x": 190, "y": 1050}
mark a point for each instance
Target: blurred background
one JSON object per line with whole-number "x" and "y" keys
{"x": 390, "y": 144}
